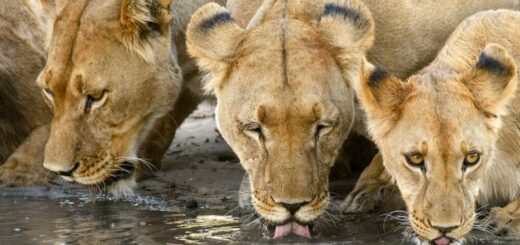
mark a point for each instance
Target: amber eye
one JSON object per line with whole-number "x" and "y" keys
{"x": 471, "y": 159}
{"x": 415, "y": 159}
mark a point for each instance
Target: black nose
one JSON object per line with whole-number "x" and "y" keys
{"x": 445, "y": 229}
{"x": 293, "y": 207}
{"x": 70, "y": 172}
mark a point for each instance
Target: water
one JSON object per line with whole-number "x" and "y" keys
{"x": 88, "y": 220}
{"x": 69, "y": 221}
{"x": 85, "y": 221}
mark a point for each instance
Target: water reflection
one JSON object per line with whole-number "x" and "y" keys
{"x": 30, "y": 221}
{"x": 82, "y": 221}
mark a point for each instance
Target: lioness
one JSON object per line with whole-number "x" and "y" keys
{"x": 110, "y": 76}
{"x": 449, "y": 135}
{"x": 283, "y": 84}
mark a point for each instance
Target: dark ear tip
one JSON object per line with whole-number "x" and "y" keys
{"x": 216, "y": 20}
{"x": 378, "y": 75}
{"x": 347, "y": 13}
{"x": 495, "y": 59}
{"x": 486, "y": 62}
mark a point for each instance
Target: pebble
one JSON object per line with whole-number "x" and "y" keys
{"x": 191, "y": 204}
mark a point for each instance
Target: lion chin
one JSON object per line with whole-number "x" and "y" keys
{"x": 119, "y": 183}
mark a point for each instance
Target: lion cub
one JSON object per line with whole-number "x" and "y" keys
{"x": 450, "y": 135}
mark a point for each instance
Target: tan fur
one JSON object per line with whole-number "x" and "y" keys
{"x": 24, "y": 114}
{"x": 287, "y": 54}
{"x": 270, "y": 68}
{"x": 124, "y": 55}
{"x": 408, "y": 32}
{"x": 456, "y": 105}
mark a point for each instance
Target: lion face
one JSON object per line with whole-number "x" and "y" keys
{"x": 437, "y": 135}
{"x": 288, "y": 132}
{"x": 108, "y": 77}
{"x": 285, "y": 105}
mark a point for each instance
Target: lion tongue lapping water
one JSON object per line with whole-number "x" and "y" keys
{"x": 287, "y": 126}
{"x": 442, "y": 241}
{"x": 292, "y": 227}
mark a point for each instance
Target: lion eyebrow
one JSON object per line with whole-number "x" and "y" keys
{"x": 216, "y": 20}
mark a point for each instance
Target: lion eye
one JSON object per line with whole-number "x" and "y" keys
{"x": 94, "y": 100}
{"x": 415, "y": 159}
{"x": 471, "y": 159}
{"x": 48, "y": 94}
{"x": 255, "y": 129}
{"x": 323, "y": 128}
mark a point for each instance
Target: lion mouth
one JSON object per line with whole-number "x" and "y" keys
{"x": 442, "y": 241}
{"x": 292, "y": 227}
{"x": 123, "y": 171}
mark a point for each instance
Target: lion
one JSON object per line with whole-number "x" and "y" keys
{"x": 110, "y": 74}
{"x": 449, "y": 134}
{"x": 282, "y": 73}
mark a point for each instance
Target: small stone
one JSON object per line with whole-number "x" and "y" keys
{"x": 17, "y": 229}
{"x": 192, "y": 204}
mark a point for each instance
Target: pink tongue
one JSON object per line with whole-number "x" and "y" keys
{"x": 284, "y": 230}
{"x": 442, "y": 241}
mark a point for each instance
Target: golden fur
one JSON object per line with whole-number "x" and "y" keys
{"x": 408, "y": 33}
{"x": 262, "y": 77}
{"x": 24, "y": 114}
{"x": 465, "y": 102}
{"x": 277, "y": 64}
{"x": 111, "y": 78}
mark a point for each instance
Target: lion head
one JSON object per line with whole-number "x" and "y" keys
{"x": 437, "y": 133}
{"x": 109, "y": 76}
{"x": 285, "y": 104}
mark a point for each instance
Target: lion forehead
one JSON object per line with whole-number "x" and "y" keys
{"x": 272, "y": 60}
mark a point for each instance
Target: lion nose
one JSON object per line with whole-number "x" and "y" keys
{"x": 445, "y": 230}
{"x": 293, "y": 207}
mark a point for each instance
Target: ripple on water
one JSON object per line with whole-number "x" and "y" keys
{"x": 149, "y": 221}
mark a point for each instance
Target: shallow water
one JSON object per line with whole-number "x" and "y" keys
{"x": 86, "y": 221}
{"x": 89, "y": 220}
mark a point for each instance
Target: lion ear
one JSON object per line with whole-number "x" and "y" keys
{"x": 348, "y": 28}
{"x": 143, "y": 22}
{"x": 346, "y": 24}
{"x": 212, "y": 39}
{"x": 381, "y": 95}
{"x": 493, "y": 80}
{"x": 144, "y": 18}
